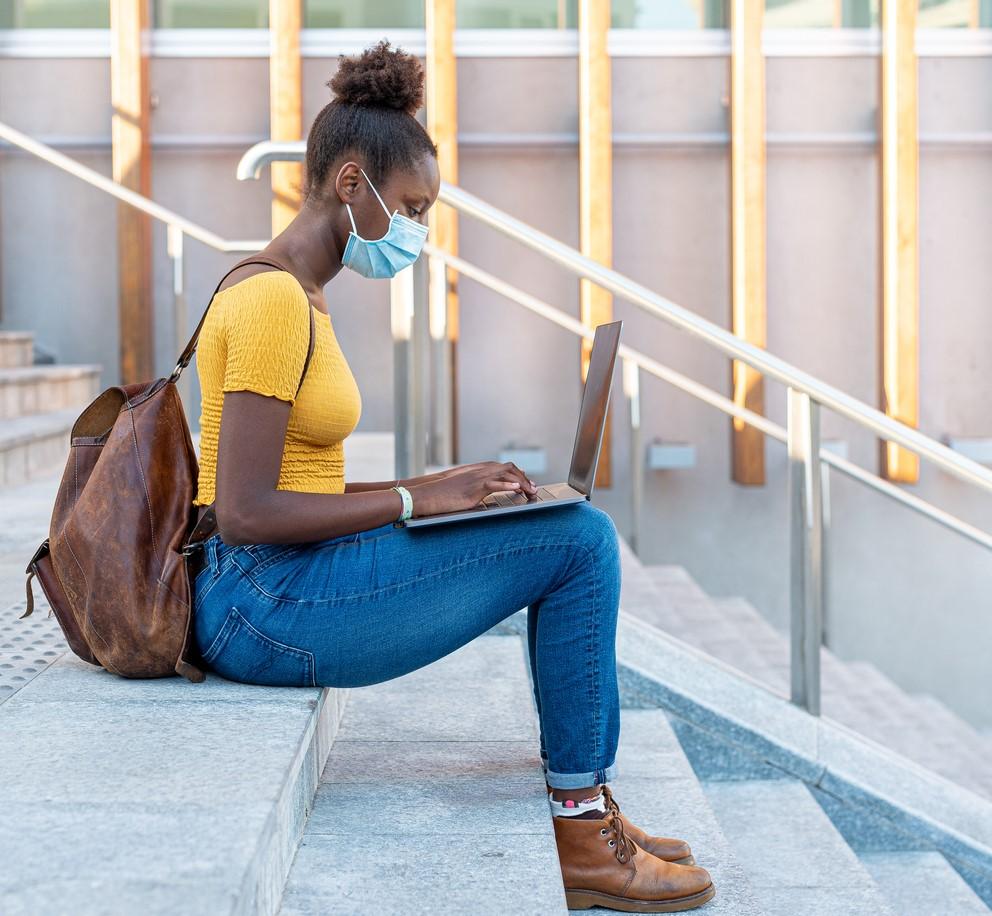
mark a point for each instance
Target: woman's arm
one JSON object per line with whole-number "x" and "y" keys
{"x": 368, "y": 486}
{"x": 250, "y": 510}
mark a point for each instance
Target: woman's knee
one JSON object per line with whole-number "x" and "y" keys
{"x": 596, "y": 533}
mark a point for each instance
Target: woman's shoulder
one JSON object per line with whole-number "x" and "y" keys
{"x": 265, "y": 283}
{"x": 272, "y": 297}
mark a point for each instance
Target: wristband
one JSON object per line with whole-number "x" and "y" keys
{"x": 407, "y": 503}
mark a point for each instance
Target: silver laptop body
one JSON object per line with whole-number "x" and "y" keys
{"x": 585, "y": 451}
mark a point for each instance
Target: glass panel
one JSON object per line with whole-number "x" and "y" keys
{"x": 563, "y": 14}
{"x": 54, "y": 14}
{"x": 673, "y": 14}
{"x": 821, "y": 14}
{"x": 209, "y": 14}
{"x": 517, "y": 14}
{"x": 938, "y": 14}
{"x": 370, "y": 14}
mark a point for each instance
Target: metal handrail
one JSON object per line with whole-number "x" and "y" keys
{"x": 871, "y": 418}
{"x": 177, "y": 227}
{"x": 138, "y": 201}
{"x": 808, "y": 461}
{"x": 807, "y": 478}
{"x": 708, "y": 395}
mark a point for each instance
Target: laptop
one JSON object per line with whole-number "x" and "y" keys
{"x": 585, "y": 451}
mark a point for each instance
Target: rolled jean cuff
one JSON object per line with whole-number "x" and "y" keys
{"x": 580, "y": 780}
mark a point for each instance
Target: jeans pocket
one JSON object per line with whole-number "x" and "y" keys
{"x": 242, "y": 653}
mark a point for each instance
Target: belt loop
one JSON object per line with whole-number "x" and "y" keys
{"x": 211, "y": 548}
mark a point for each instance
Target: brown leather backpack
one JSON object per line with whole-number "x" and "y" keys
{"x": 113, "y": 567}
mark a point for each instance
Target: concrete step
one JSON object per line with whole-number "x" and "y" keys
{"x": 855, "y": 693}
{"x": 16, "y": 349}
{"x": 153, "y": 796}
{"x": 680, "y": 607}
{"x": 433, "y": 798}
{"x": 795, "y": 859}
{"x": 658, "y": 790}
{"x": 921, "y": 884}
{"x": 27, "y": 390}
{"x": 35, "y": 446}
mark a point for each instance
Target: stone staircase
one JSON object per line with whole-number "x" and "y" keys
{"x": 38, "y": 405}
{"x": 855, "y": 693}
{"x": 424, "y": 795}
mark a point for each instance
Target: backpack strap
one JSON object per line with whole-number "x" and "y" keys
{"x": 206, "y": 524}
{"x": 190, "y": 348}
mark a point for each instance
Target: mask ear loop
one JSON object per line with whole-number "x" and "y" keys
{"x": 374, "y": 191}
{"x": 354, "y": 228}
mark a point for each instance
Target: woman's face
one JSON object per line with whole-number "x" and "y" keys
{"x": 410, "y": 191}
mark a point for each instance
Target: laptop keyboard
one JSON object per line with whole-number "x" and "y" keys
{"x": 496, "y": 500}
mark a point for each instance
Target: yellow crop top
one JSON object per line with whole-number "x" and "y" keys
{"x": 255, "y": 338}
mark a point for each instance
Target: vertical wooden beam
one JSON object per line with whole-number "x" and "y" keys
{"x": 595, "y": 181}
{"x": 285, "y": 106}
{"x": 747, "y": 176}
{"x": 975, "y": 18}
{"x": 899, "y": 361}
{"x": 441, "y": 93}
{"x": 132, "y": 167}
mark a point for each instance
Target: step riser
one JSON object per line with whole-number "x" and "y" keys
{"x": 30, "y": 460}
{"x": 30, "y": 396}
{"x": 16, "y": 353}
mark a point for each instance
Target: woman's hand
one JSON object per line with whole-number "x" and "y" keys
{"x": 466, "y": 486}
{"x": 448, "y": 472}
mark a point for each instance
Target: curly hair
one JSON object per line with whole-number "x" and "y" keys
{"x": 377, "y": 95}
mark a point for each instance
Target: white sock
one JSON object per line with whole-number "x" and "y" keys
{"x": 571, "y": 808}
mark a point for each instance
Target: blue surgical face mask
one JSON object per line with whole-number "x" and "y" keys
{"x": 379, "y": 259}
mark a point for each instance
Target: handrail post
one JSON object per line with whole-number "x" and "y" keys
{"x": 409, "y": 428}
{"x": 806, "y": 549}
{"x": 441, "y": 446}
{"x": 632, "y": 392}
{"x": 175, "y": 239}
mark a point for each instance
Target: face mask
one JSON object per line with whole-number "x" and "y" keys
{"x": 379, "y": 259}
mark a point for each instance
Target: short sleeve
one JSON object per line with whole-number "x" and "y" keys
{"x": 267, "y": 326}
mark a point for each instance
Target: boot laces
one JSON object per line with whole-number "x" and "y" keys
{"x": 625, "y": 847}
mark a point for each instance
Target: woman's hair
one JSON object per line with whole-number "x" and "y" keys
{"x": 377, "y": 94}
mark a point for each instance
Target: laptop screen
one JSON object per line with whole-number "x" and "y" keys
{"x": 595, "y": 403}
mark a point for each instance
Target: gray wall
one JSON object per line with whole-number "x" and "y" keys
{"x": 904, "y": 593}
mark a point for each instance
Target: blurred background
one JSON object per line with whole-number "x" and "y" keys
{"x": 812, "y": 177}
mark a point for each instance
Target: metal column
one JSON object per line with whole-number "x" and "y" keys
{"x": 806, "y": 585}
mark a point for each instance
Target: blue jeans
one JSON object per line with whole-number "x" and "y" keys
{"x": 367, "y": 607}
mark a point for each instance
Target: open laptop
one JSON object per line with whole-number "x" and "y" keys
{"x": 585, "y": 451}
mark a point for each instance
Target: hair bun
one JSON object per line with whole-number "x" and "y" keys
{"x": 382, "y": 77}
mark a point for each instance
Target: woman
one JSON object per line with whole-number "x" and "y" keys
{"x": 309, "y": 582}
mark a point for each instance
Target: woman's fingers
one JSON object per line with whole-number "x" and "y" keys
{"x": 525, "y": 482}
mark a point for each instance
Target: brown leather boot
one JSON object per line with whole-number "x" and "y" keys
{"x": 602, "y": 866}
{"x": 663, "y": 847}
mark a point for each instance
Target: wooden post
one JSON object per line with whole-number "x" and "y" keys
{"x": 441, "y": 93}
{"x": 595, "y": 182}
{"x": 747, "y": 171}
{"x": 132, "y": 167}
{"x": 899, "y": 362}
{"x": 285, "y": 106}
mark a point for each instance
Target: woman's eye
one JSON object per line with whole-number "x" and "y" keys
{"x": 415, "y": 211}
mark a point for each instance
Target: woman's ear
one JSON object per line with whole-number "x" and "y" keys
{"x": 347, "y": 182}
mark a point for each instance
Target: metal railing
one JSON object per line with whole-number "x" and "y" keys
{"x": 426, "y": 284}
{"x": 177, "y": 227}
{"x": 809, "y": 460}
